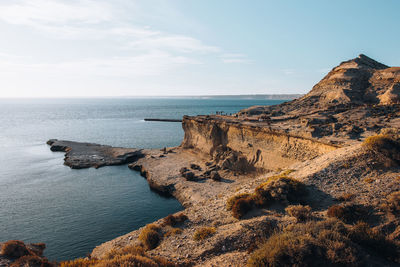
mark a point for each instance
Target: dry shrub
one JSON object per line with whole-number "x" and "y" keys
{"x": 127, "y": 256}
{"x": 392, "y": 203}
{"x": 150, "y": 236}
{"x": 346, "y": 197}
{"x": 281, "y": 189}
{"x": 232, "y": 200}
{"x": 128, "y": 261}
{"x": 203, "y": 233}
{"x": 300, "y": 212}
{"x": 79, "y": 263}
{"x": 173, "y": 220}
{"x": 310, "y": 244}
{"x": 368, "y": 180}
{"x": 133, "y": 250}
{"x": 374, "y": 241}
{"x": 241, "y": 207}
{"x": 15, "y": 249}
{"x": 31, "y": 260}
{"x": 348, "y": 213}
{"x": 173, "y": 231}
{"x": 386, "y": 147}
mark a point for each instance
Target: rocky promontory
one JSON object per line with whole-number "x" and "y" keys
{"x": 85, "y": 155}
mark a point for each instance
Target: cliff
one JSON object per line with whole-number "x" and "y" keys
{"x": 262, "y": 147}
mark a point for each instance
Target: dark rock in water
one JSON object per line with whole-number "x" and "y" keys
{"x": 85, "y": 155}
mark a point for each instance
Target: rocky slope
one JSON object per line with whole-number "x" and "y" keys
{"x": 317, "y": 140}
{"x": 239, "y": 176}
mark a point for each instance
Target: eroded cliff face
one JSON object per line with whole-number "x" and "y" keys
{"x": 263, "y": 147}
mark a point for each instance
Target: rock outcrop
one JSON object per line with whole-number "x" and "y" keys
{"x": 85, "y": 155}
{"x": 246, "y": 146}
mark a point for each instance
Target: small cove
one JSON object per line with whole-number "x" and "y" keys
{"x": 72, "y": 211}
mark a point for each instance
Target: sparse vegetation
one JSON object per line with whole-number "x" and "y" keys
{"x": 15, "y": 249}
{"x": 328, "y": 243}
{"x": 241, "y": 207}
{"x": 346, "y": 197}
{"x": 233, "y": 199}
{"x": 127, "y": 256}
{"x": 348, "y": 213}
{"x": 392, "y": 203}
{"x": 386, "y": 147}
{"x": 173, "y": 220}
{"x": 368, "y": 180}
{"x": 374, "y": 242}
{"x": 300, "y": 212}
{"x": 150, "y": 236}
{"x": 281, "y": 189}
{"x": 310, "y": 244}
{"x": 173, "y": 231}
{"x": 203, "y": 233}
{"x": 31, "y": 260}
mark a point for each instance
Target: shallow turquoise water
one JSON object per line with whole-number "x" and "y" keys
{"x": 72, "y": 211}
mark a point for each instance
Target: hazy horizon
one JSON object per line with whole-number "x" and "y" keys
{"x": 88, "y": 48}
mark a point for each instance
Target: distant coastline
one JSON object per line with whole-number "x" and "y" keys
{"x": 239, "y": 97}
{"x": 249, "y": 97}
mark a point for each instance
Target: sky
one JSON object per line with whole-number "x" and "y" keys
{"x": 95, "y": 48}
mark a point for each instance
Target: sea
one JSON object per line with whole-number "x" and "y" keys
{"x": 73, "y": 211}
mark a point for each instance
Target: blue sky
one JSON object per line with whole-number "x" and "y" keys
{"x": 65, "y": 48}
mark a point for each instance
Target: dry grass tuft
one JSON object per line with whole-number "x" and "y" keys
{"x": 368, "y": 180}
{"x": 203, "y": 233}
{"x": 150, "y": 236}
{"x": 300, "y": 212}
{"x": 79, "y": 263}
{"x": 348, "y": 213}
{"x": 173, "y": 231}
{"x": 173, "y": 220}
{"x": 31, "y": 260}
{"x": 346, "y": 197}
{"x": 392, "y": 203}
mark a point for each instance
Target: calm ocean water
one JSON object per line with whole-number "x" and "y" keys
{"x": 72, "y": 211}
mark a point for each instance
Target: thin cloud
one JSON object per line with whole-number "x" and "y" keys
{"x": 234, "y": 58}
